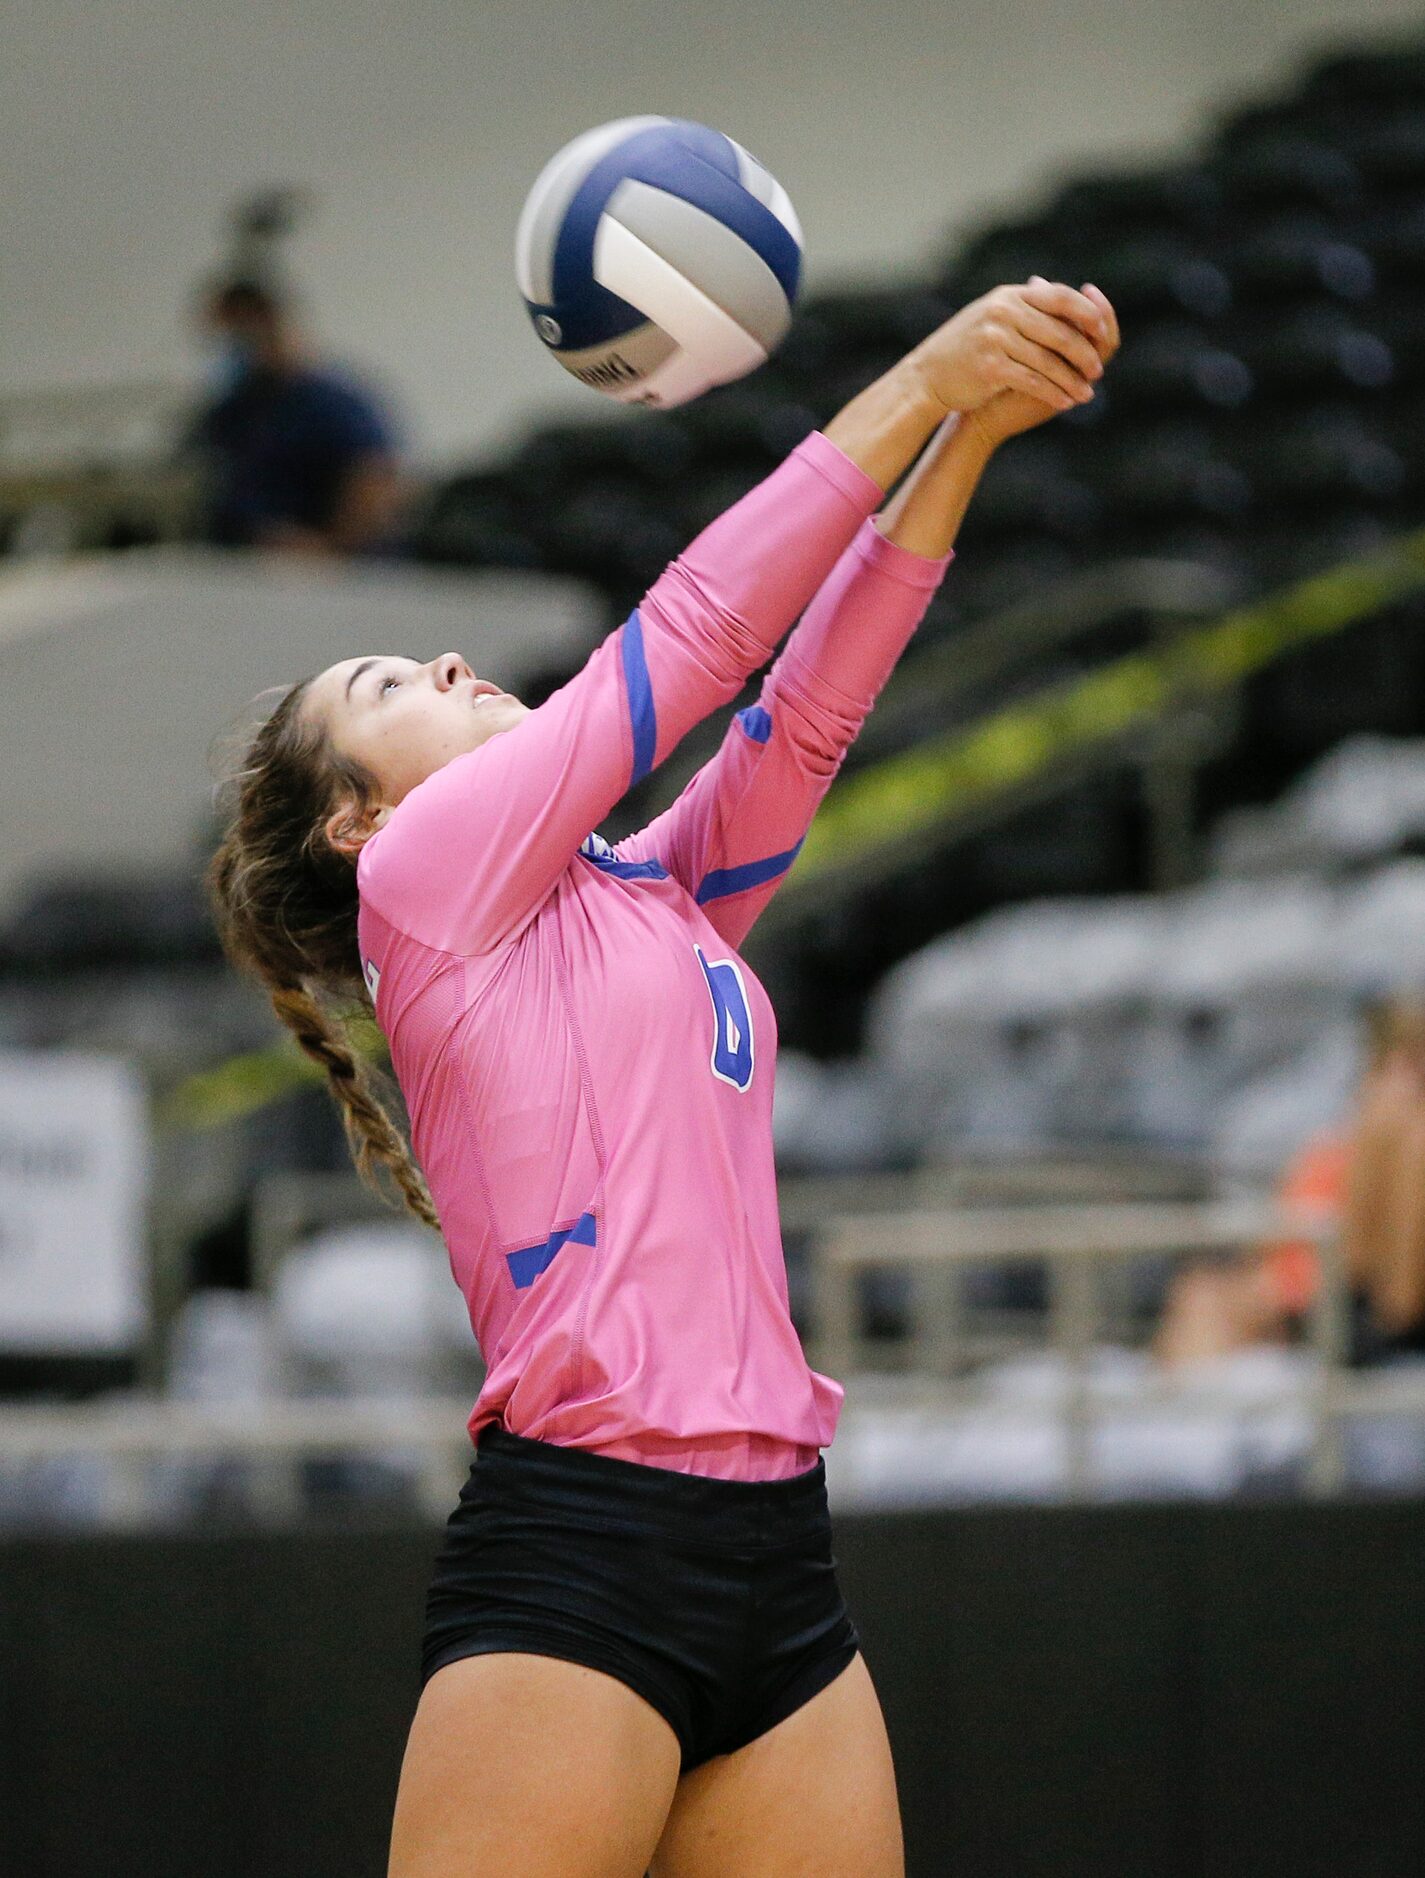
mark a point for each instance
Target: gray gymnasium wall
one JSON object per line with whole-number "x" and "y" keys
{"x": 125, "y": 130}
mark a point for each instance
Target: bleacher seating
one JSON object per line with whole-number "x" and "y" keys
{"x": 1221, "y": 1022}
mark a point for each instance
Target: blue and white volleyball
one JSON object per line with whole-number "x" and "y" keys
{"x": 657, "y": 259}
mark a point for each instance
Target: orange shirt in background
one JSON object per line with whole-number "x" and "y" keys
{"x": 1313, "y": 1189}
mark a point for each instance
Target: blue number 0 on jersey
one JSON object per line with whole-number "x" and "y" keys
{"x": 732, "y": 1021}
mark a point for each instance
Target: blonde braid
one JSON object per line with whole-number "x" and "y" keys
{"x": 285, "y": 903}
{"x": 372, "y": 1136}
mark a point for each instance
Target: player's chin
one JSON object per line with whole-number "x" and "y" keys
{"x": 495, "y": 715}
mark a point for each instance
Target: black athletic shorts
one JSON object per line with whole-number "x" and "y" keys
{"x": 716, "y": 1600}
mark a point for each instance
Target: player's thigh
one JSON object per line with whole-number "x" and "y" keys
{"x": 530, "y": 1767}
{"x": 815, "y": 1797}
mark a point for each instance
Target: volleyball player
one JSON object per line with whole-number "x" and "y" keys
{"x": 636, "y": 1651}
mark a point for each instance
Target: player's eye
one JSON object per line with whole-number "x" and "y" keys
{"x": 381, "y": 688}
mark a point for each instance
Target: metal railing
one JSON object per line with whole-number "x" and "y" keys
{"x": 1162, "y": 710}
{"x": 74, "y": 460}
{"x": 274, "y": 1437}
{"x": 1165, "y": 593}
{"x": 1078, "y": 1246}
{"x": 938, "y": 1245}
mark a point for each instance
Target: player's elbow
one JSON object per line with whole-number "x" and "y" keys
{"x": 686, "y": 611}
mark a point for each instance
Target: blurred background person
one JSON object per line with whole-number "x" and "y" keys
{"x": 1366, "y": 1180}
{"x": 296, "y": 456}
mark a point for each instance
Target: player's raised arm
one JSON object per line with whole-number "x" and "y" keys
{"x": 736, "y": 829}
{"x": 467, "y": 857}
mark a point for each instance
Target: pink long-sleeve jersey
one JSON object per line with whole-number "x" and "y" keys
{"x": 586, "y": 1060}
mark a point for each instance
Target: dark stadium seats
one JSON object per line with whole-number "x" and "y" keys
{"x": 839, "y": 331}
{"x": 1033, "y": 562}
{"x": 748, "y": 425}
{"x": 1185, "y": 198}
{"x": 1394, "y": 236}
{"x": 1031, "y": 489}
{"x": 475, "y": 520}
{"x": 1295, "y": 116}
{"x": 83, "y": 923}
{"x": 1332, "y": 454}
{"x": 1163, "y": 273}
{"x": 1370, "y": 680}
{"x": 1395, "y": 317}
{"x": 1374, "y": 78}
{"x": 1285, "y": 262}
{"x": 1178, "y": 365}
{"x": 1011, "y": 251}
{"x": 1176, "y": 470}
{"x": 1313, "y": 348}
{"x": 1278, "y": 171}
{"x": 1389, "y": 152}
{"x": 611, "y": 530}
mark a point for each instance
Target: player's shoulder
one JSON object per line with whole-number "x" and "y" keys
{"x": 415, "y": 836}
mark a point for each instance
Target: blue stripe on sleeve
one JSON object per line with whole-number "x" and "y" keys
{"x": 634, "y": 870}
{"x": 594, "y": 848}
{"x": 642, "y": 716}
{"x": 725, "y": 880}
{"x": 756, "y": 722}
{"x": 526, "y": 1264}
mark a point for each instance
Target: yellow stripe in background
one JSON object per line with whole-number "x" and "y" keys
{"x": 232, "y": 1090}
{"x": 943, "y": 776}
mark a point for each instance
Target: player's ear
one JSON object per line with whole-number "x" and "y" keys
{"x": 351, "y": 826}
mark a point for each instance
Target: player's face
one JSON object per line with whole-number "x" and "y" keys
{"x": 403, "y": 720}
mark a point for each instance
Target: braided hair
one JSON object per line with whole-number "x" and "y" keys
{"x": 285, "y": 902}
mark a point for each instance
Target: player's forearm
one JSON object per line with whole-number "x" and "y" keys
{"x": 855, "y": 630}
{"x": 734, "y": 591}
{"x": 847, "y": 645}
{"x": 884, "y": 428}
{"x": 925, "y": 514}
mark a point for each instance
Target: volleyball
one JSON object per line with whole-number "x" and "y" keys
{"x": 657, "y": 259}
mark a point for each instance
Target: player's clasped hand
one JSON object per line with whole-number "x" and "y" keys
{"x": 1027, "y": 351}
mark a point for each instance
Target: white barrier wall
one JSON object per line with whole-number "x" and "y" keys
{"x": 73, "y": 1174}
{"x": 119, "y": 674}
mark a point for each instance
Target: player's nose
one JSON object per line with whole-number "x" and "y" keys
{"x": 448, "y": 670}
